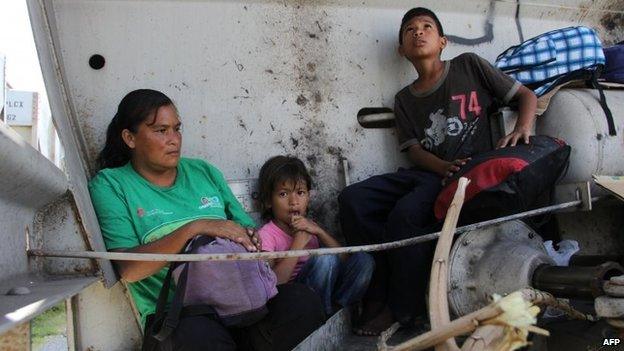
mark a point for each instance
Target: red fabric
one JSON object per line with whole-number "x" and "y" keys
{"x": 560, "y": 142}
{"x": 484, "y": 176}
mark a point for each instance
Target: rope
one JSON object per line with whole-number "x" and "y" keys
{"x": 129, "y": 256}
{"x": 539, "y": 297}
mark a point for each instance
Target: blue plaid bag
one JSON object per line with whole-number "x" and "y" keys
{"x": 556, "y": 57}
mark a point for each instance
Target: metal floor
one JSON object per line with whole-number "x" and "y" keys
{"x": 566, "y": 335}
{"x": 336, "y": 335}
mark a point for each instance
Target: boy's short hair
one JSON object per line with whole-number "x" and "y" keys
{"x": 415, "y": 12}
{"x": 276, "y": 170}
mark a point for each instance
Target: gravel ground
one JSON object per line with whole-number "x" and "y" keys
{"x": 53, "y": 343}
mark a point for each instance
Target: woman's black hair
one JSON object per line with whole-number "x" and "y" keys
{"x": 136, "y": 107}
{"x": 276, "y": 170}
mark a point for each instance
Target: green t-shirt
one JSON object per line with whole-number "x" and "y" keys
{"x": 132, "y": 212}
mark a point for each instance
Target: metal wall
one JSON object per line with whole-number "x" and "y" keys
{"x": 255, "y": 79}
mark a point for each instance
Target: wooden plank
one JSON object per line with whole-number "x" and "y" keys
{"x": 613, "y": 184}
{"x": 438, "y": 297}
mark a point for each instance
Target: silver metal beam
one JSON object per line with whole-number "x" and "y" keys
{"x": 39, "y": 295}
{"x": 44, "y": 25}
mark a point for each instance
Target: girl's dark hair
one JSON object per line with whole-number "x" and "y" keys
{"x": 136, "y": 107}
{"x": 415, "y": 12}
{"x": 276, "y": 170}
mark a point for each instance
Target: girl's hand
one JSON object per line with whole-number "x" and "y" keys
{"x": 452, "y": 168}
{"x": 300, "y": 239}
{"x": 302, "y": 223}
{"x": 220, "y": 228}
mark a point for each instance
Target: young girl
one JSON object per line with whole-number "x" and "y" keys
{"x": 284, "y": 196}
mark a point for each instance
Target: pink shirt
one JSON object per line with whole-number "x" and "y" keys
{"x": 275, "y": 239}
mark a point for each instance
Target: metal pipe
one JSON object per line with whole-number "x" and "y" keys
{"x": 128, "y": 256}
{"x": 592, "y": 260}
{"x": 575, "y": 282}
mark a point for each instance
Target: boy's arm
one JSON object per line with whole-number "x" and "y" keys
{"x": 506, "y": 89}
{"x": 284, "y": 267}
{"x": 527, "y": 104}
{"x": 432, "y": 163}
{"x": 409, "y": 142}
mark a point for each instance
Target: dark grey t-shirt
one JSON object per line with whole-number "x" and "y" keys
{"x": 451, "y": 119}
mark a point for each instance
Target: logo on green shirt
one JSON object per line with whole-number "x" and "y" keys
{"x": 141, "y": 212}
{"x": 210, "y": 202}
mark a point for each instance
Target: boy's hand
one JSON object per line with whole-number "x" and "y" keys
{"x": 302, "y": 223}
{"x": 512, "y": 138}
{"x": 452, "y": 168}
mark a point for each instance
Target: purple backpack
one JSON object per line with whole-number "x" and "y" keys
{"x": 614, "y": 66}
{"x": 235, "y": 292}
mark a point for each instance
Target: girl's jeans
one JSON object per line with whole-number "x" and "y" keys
{"x": 338, "y": 282}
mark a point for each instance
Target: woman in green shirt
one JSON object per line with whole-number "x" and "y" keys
{"x": 149, "y": 199}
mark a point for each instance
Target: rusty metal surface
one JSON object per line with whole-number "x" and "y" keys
{"x": 46, "y": 39}
{"x": 330, "y": 336}
{"x": 16, "y": 339}
{"x": 105, "y": 320}
{"x": 15, "y": 224}
{"x": 57, "y": 228}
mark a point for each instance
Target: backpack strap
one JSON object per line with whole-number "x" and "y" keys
{"x": 172, "y": 318}
{"x": 603, "y": 101}
{"x": 177, "y": 309}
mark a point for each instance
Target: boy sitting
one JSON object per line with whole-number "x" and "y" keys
{"x": 441, "y": 120}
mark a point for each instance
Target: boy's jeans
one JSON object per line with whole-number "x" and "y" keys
{"x": 390, "y": 207}
{"x": 337, "y": 282}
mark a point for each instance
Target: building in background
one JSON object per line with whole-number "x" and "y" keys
{"x": 27, "y": 113}
{"x": 21, "y": 112}
{"x": 2, "y": 84}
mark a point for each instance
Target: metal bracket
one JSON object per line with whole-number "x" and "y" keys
{"x": 583, "y": 193}
{"x": 376, "y": 117}
{"x": 345, "y": 169}
{"x": 577, "y": 191}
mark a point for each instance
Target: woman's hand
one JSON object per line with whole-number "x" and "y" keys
{"x": 221, "y": 228}
{"x": 453, "y": 167}
{"x": 255, "y": 238}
